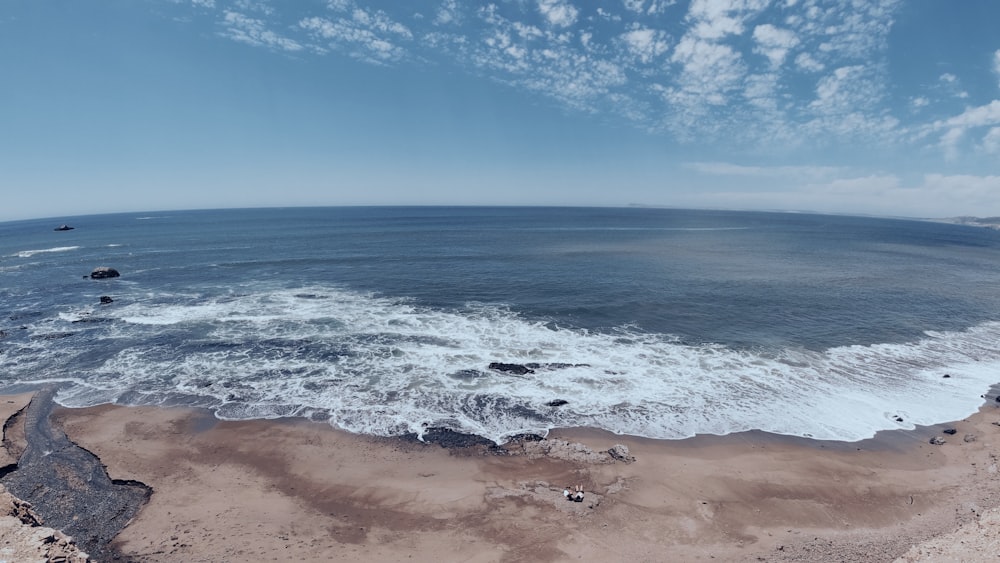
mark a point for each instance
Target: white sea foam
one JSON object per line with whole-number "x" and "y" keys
{"x": 384, "y": 366}
{"x": 30, "y": 253}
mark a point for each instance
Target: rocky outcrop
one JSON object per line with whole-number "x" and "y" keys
{"x": 63, "y": 227}
{"x": 103, "y": 272}
{"x": 26, "y": 539}
{"x": 106, "y": 299}
{"x": 619, "y": 452}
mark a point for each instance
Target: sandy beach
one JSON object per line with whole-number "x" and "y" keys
{"x": 289, "y": 490}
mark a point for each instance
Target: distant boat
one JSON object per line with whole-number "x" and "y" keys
{"x": 63, "y": 227}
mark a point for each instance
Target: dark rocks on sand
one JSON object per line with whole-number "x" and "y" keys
{"x": 937, "y": 441}
{"x": 105, "y": 300}
{"x": 104, "y": 272}
{"x": 516, "y": 369}
{"x": 619, "y": 452}
{"x": 950, "y": 431}
{"x": 969, "y": 438}
{"x": 63, "y": 227}
{"x": 447, "y": 438}
{"x": 557, "y": 402}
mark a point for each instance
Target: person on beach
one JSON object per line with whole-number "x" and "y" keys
{"x": 566, "y": 493}
{"x": 578, "y": 497}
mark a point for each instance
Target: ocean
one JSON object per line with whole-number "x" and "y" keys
{"x": 660, "y": 323}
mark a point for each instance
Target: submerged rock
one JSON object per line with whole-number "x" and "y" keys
{"x": 63, "y": 227}
{"x": 557, "y": 403}
{"x": 103, "y": 272}
{"x": 106, "y": 299}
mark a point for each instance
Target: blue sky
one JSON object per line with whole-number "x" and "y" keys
{"x": 878, "y": 107}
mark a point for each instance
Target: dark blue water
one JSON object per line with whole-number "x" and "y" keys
{"x": 382, "y": 320}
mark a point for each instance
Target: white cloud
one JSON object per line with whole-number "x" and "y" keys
{"x": 991, "y": 141}
{"x": 559, "y": 13}
{"x": 807, "y": 62}
{"x": 448, "y": 13}
{"x": 715, "y": 19}
{"x": 646, "y": 44}
{"x": 774, "y": 42}
{"x": 845, "y": 89}
{"x": 980, "y": 116}
{"x": 648, "y": 7}
{"x": 254, "y": 6}
{"x": 254, "y": 32}
{"x": 958, "y": 127}
{"x": 919, "y": 102}
{"x": 203, "y": 3}
{"x": 709, "y": 71}
{"x": 996, "y": 63}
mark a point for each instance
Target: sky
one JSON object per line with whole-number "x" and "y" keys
{"x": 882, "y": 107}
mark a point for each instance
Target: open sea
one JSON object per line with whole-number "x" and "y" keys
{"x": 652, "y": 322}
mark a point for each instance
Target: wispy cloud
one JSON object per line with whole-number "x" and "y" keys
{"x": 932, "y": 195}
{"x": 813, "y": 173}
{"x": 955, "y": 129}
{"x": 749, "y": 72}
{"x": 253, "y": 31}
{"x": 369, "y": 35}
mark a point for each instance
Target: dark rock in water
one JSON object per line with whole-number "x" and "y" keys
{"x": 516, "y": 369}
{"x": 3, "y": 334}
{"x": 950, "y": 431}
{"x": 557, "y": 403}
{"x": 899, "y": 419}
{"x": 467, "y": 374}
{"x": 946, "y": 376}
{"x": 106, "y": 299}
{"x": 92, "y": 320}
{"x": 63, "y": 227}
{"x": 937, "y": 441}
{"x": 104, "y": 272}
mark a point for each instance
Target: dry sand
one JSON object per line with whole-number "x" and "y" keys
{"x": 293, "y": 490}
{"x": 301, "y": 491}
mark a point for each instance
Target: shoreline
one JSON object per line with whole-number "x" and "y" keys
{"x": 302, "y": 490}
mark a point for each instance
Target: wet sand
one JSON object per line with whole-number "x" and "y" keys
{"x": 298, "y": 490}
